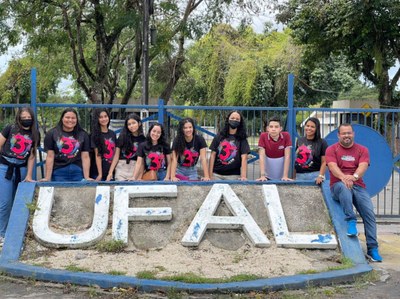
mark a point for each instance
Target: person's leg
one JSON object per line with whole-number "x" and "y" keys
{"x": 6, "y": 199}
{"x": 161, "y": 174}
{"x": 189, "y": 173}
{"x": 364, "y": 206}
{"x": 75, "y": 173}
{"x": 345, "y": 197}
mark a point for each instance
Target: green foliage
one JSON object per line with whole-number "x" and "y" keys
{"x": 116, "y": 272}
{"x": 365, "y": 32}
{"x": 75, "y": 268}
{"x": 111, "y": 246}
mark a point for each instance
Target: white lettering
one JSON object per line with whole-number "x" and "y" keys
{"x": 87, "y": 238}
{"x": 123, "y": 214}
{"x": 205, "y": 218}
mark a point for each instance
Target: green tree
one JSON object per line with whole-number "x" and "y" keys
{"x": 102, "y": 40}
{"x": 365, "y": 32}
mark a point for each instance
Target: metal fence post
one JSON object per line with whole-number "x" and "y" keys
{"x": 161, "y": 111}
{"x": 34, "y": 106}
{"x": 291, "y": 119}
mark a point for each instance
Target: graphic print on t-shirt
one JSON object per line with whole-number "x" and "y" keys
{"x": 68, "y": 146}
{"x": 155, "y": 160}
{"x": 110, "y": 149}
{"x": 133, "y": 152}
{"x": 189, "y": 157}
{"x": 20, "y": 145}
{"x": 227, "y": 151}
{"x": 304, "y": 156}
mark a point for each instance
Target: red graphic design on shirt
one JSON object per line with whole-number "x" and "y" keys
{"x": 20, "y": 145}
{"x": 227, "y": 151}
{"x": 110, "y": 149}
{"x": 189, "y": 157}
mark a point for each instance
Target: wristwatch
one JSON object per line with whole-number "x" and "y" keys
{"x": 356, "y": 176}
{"x": 322, "y": 177}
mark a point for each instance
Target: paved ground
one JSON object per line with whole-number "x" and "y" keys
{"x": 383, "y": 283}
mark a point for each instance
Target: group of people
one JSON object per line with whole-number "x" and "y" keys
{"x": 73, "y": 155}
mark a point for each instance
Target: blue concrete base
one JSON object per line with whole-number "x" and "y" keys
{"x": 15, "y": 236}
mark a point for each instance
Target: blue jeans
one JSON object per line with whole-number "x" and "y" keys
{"x": 190, "y": 172}
{"x": 8, "y": 189}
{"x": 161, "y": 174}
{"x": 71, "y": 172}
{"x": 307, "y": 176}
{"x": 362, "y": 201}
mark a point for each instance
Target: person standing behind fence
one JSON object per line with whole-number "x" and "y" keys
{"x": 18, "y": 144}
{"x": 347, "y": 162}
{"x": 274, "y": 148}
{"x": 102, "y": 141}
{"x": 67, "y": 146}
{"x": 310, "y": 153}
{"x": 126, "y": 152}
{"x": 187, "y": 148}
{"x": 154, "y": 155}
{"x": 229, "y": 150}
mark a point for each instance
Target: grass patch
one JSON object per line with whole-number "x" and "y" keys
{"x": 345, "y": 263}
{"x": 146, "y": 274}
{"x": 193, "y": 278}
{"x": 110, "y": 246}
{"x": 75, "y": 268}
{"x": 32, "y": 207}
{"x": 116, "y": 272}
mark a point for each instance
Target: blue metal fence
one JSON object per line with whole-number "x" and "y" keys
{"x": 209, "y": 119}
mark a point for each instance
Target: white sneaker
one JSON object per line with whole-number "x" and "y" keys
{"x": 1, "y": 241}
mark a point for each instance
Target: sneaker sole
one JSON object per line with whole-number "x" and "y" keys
{"x": 352, "y": 235}
{"x": 372, "y": 259}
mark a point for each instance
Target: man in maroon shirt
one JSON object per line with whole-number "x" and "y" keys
{"x": 347, "y": 162}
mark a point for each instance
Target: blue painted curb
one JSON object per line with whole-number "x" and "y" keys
{"x": 15, "y": 236}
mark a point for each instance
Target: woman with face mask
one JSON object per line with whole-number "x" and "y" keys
{"x": 18, "y": 143}
{"x": 229, "y": 150}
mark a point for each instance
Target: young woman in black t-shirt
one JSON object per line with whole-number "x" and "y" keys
{"x": 187, "y": 148}
{"x": 102, "y": 141}
{"x": 126, "y": 151}
{"x": 67, "y": 146}
{"x": 18, "y": 143}
{"x": 154, "y": 155}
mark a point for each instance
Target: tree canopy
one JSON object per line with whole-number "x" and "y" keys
{"x": 365, "y": 32}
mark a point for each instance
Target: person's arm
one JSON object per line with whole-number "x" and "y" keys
{"x": 174, "y": 165}
{"x": 168, "y": 175}
{"x": 2, "y": 140}
{"x": 204, "y": 165}
{"x": 31, "y": 164}
{"x": 322, "y": 169}
{"x": 261, "y": 156}
{"x": 98, "y": 164}
{"x": 286, "y": 165}
{"x": 113, "y": 163}
{"x": 86, "y": 165}
{"x": 347, "y": 179}
{"x": 361, "y": 169}
{"x": 211, "y": 165}
{"x": 49, "y": 165}
{"x": 243, "y": 168}
{"x": 138, "y": 171}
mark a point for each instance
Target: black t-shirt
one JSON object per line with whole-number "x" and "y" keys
{"x": 191, "y": 154}
{"x": 308, "y": 154}
{"x": 109, "y": 140}
{"x": 154, "y": 156}
{"x": 18, "y": 142}
{"x": 229, "y": 150}
{"x": 132, "y": 154}
{"x": 67, "y": 149}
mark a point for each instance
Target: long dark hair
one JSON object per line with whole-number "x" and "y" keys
{"x": 126, "y": 135}
{"x": 33, "y": 128}
{"x": 315, "y": 120}
{"x": 96, "y": 129}
{"x": 162, "y": 140}
{"x": 76, "y": 129}
{"x": 180, "y": 142}
{"x": 241, "y": 130}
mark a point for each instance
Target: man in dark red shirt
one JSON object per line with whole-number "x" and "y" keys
{"x": 347, "y": 162}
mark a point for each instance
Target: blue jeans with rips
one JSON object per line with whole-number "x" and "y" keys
{"x": 360, "y": 198}
{"x": 8, "y": 189}
{"x": 190, "y": 172}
